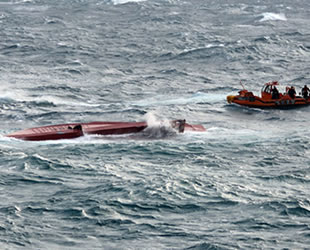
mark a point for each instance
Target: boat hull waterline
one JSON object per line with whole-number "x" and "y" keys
{"x": 75, "y": 130}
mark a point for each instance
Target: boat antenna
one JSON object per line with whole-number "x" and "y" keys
{"x": 241, "y": 84}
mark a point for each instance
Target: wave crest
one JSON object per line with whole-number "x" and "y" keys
{"x": 116, "y": 2}
{"x": 268, "y": 16}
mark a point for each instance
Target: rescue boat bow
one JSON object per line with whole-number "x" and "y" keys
{"x": 230, "y": 98}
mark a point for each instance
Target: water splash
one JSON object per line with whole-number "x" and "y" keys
{"x": 157, "y": 128}
{"x": 152, "y": 119}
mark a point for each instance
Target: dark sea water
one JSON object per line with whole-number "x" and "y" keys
{"x": 243, "y": 184}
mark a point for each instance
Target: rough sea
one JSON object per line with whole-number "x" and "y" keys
{"x": 242, "y": 184}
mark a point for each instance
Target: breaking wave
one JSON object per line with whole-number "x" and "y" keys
{"x": 116, "y": 2}
{"x": 199, "y": 97}
{"x": 272, "y": 17}
{"x": 242, "y": 184}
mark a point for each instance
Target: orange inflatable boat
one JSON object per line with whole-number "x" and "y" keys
{"x": 270, "y": 98}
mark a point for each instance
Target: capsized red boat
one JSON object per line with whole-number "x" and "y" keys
{"x": 75, "y": 130}
{"x": 270, "y": 98}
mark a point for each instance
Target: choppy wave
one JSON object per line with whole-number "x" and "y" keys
{"x": 198, "y": 97}
{"x": 20, "y": 96}
{"x": 242, "y": 184}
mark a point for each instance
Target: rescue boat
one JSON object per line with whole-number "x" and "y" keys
{"x": 270, "y": 98}
{"x": 75, "y": 130}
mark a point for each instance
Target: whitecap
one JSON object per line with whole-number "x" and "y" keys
{"x": 24, "y": 1}
{"x": 19, "y": 95}
{"x": 268, "y": 16}
{"x": 198, "y": 97}
{"x": 61, "y": 101}
{"x": 116, "y": 2}
{"x": 214, "y": 45}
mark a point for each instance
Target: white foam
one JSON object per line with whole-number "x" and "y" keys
{"x": 116, "y": 2}
{"x": 59, "y": 101}
{"x": 86, "y": 139}
{"x": 215, "y": 45}
{"x": 208, "y": 46}
{"x": 198, "y": 97}
{"x": 19, "y": 95}
{"x": 268, "y": 16}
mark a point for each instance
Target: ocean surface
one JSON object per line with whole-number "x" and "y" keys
{"x": 242, "y": 184}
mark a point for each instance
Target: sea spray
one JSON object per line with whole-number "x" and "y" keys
{"x": 157, "y": 128}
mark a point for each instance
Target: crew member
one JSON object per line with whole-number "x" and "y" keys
{"x": 292, "y": 92}
{"x": 305, "y": 92}
{"x": 275, "y": 93}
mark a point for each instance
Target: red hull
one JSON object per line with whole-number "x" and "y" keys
{"x": 75, "y": 130}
